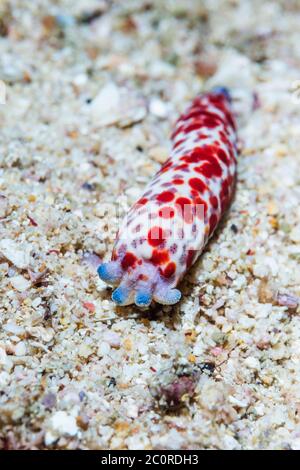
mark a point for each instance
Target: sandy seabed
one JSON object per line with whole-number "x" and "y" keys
{"x": 92, "y": 91}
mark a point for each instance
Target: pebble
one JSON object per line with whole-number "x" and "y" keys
{"x": 20, "y": 283}
{"x": 295, "y": 234}
{"x": 159, "y": 154}
{"x": 44, "y": 334}
{"x": 20, "y": 349}
{"x": 3, "y": 200}
{"x": 4, "y": 377}
{"x": 230, "y": 443}
{"x": 85, "y": 351}
{"x": 103, "y": 349}
{"x": 106, "y": 104}
{"x": 14, "y": 329}
{"x": 216, "y": 351}
{"x": 60, "y": 424}
{"x": 252, "y": 363}
{"x": 288, "y": 300}
{"x": 115, "y": 105}
{"x": 65, "y": 21}
{"x": 36, "y": 302}
{"x": 18, "y": 255}
{"x": 49, "y": 400}
{"x": 3, "y": 356}
{"x": 80, "y": 80}
{"x": 260, "y": 270}
{"x": 158, "y": 108}
{"x": 295, "y": 445}
{"x": 132, "y": 411}
{"x": 112, "y": 338}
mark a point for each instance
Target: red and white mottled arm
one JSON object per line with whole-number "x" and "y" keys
{"x": 167, "y": 229}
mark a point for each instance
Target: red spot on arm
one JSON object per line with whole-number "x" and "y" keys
{"x": 165, "y": 167}
{"x": 210, "y": 169}
{"x": 177, "y": 144}
{"x": 213, "y": 200}
{"x": 223, "y": 157}
{"x": 160, "y": 257}
{"x": 194, "y": 127}
{"x": 142, "y": 201}
{"x": 169, "y": 270}
{"x": 197, "y": 184}
{"x": 156, "y": 236}
{"x": 128, "y": 261}
{"x": 183, "y": 166}
{"x": 201, "y": 207}
{"x": 190, "y": 258}
{"x": 213, "y": 220}
{"x": 185, "y": 208}
{"x": 166, "y": 212}
{"x": 166, "y": 196}
{"x": 178, "y": 181}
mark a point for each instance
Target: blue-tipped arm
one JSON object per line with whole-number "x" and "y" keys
{"x": 121, "y": 296}
{"x": 143, "y": 298}
{"x": 167, "y": 296}
{"x": 109, "y": 272}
